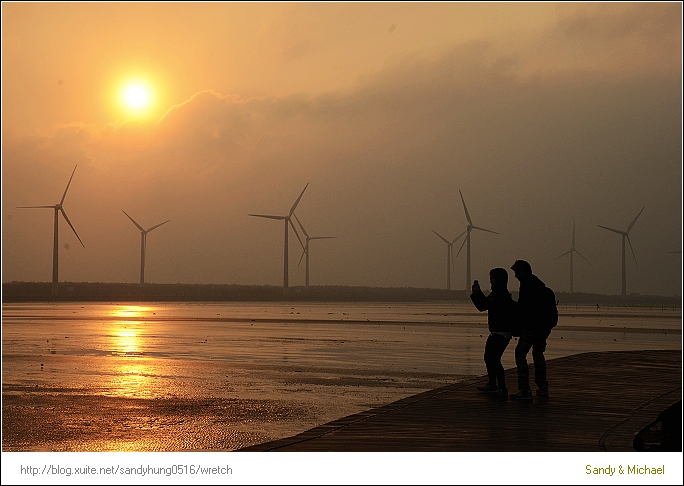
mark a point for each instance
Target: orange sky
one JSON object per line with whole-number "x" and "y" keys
{"x": 541, "y": 114}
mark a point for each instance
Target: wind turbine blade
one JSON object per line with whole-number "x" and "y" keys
{"x": 630, "y": 247}
{"x": 634, "y": 221}
{"x": 297, "y": 201}
{"x": 611, "y": 229}
{"x": 484, "y": 229}
{"x": 301, "y": 258}
{"x": 443, "y": 238}
{"x": 300, "y": 225}
{"x": 269, "y": 216}
{"x": 72, "y": 226}
{"x": 582, "y": 257}
{"x": 465, "y": 209}
{"x": 322, "y": 237}
{"x": 459, "y": 250}
{"x": 456, "y": 239}
{"x": 295, "y": 230}
{"x": 67, "y": 187}
{"x": 24, "y": 207}
{"x": 573, "y": 234}
{"x": 139, "y": 227}
{"x": 569, "y": 251}
{"x": 158, "y": 225}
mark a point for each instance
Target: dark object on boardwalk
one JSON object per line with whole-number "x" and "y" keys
{"x": 664, "y": 434}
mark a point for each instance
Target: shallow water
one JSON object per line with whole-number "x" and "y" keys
{"x": 208, "y": 376}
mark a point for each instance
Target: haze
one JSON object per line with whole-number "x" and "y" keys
{"x": 541, "y": 114}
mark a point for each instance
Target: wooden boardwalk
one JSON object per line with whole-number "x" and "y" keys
{"x": 597, "y": 402}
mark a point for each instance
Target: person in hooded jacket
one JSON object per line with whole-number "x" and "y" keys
{"x": 500, "y": 318}
{"x": 534, "y": 331}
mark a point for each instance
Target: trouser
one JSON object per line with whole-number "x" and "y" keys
{"x": 494, "y": 349}
{"x": 536, "y": 342}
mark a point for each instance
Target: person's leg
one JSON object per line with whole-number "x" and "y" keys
{"x": 499, "y": 344}
{"x": 538, "y": 349}
{"x": 521, "y": 350}
{"x": 490, "y": 360}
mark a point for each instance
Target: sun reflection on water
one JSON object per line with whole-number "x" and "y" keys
{"x": 133, "y": 380}
{"x": 126, "y": 331}
{"x": 126, "y": 338}
{"x": 129, "y": 311}
{"x": 132, "y": 377}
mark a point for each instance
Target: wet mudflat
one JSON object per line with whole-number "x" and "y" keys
{"x": 186, "y": 376}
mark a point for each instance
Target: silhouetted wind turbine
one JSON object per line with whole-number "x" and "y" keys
{"x": 143, "y": 243}
{"x": 306, "y": 246}
{"x": 55, "y": 249}
{"x": 288, "y": 220}
{"x": 450, "y": 255}
{"x": 625, "y": 236}
{"x": 467, "y": 240}
{"x": 571, "y": 251}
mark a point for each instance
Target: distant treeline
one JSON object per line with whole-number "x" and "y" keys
{"x": 150, "y": 292}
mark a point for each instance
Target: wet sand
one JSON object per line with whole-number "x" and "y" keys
{"x": 222, "y": 377}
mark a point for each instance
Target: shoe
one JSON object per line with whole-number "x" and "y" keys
{"x": 499, "y": 392}
{"x": 543, "y": 392}
{"x": 487, "y": 388}
{"x": 521, "y": 395}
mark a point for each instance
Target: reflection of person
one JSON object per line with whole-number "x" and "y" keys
{"x": 534, "y": 330}
{"x": 500, "y": 306}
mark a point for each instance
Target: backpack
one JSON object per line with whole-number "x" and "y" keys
{"x": 550, "y": 308}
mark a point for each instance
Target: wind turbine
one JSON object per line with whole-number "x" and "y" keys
{"x": 306, "y": 246}
{"x": 288, "y": 221}
{"x": 450, "y": 255}
{"x": 55, "y": 249}
{"x": 143, "y": 244}
{"x": 571, "y": 251}
{"x": 467, "y": 240}
{"x": 625, "y": 236}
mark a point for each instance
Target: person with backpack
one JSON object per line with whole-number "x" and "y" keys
{"x": 501, "y": 309}
{"x": 538, "y": 315}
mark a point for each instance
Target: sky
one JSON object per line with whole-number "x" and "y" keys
{"x": 542, "y": 115}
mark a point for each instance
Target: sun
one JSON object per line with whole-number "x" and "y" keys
{"x": 136, "y": 97}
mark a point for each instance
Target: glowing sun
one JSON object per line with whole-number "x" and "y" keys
{"x": 136, "y": 98}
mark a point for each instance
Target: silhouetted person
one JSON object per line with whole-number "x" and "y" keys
{"x": 534, "y": 330}
{"x": 501, "y": 307}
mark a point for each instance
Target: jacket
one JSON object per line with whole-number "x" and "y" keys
{"x": 531, "y": 304}
{"x": 501, "y": 307}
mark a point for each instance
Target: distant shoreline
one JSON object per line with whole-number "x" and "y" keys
{"x": 15, "y": 292}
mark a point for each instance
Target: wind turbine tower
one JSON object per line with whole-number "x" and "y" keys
{"x": 467, "y": 240}
{"x": 143, "y": 244}
{"x": 288, "y": 222}
{"x": 570, "y": 252}
{"x": 450, "y": 255}
{"x": 55, "y": 249}
{"x": 625, "y": 236}
{"x": 306, "y": 246}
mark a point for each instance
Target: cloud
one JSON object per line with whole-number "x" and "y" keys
{"x": 385, "y": 161}
{"x": 623, "y": 38}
